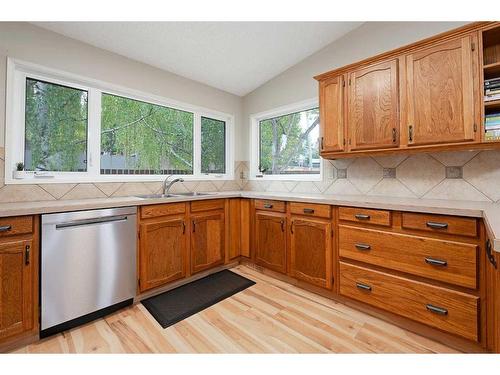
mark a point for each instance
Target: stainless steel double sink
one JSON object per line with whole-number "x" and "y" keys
{"x": 177, "y": 195}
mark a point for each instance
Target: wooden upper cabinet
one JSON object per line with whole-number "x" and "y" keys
{"x": 162, "y": 252}
{"x": 373, "y": 107}
{"x": 207, "y": 240}
{"x": 440, "y": 93}
{"x": 270, "y": 240}
{"x": 16, "y": 288}
{"x": 311, "y": 251}
{"x": 331, "y": 104}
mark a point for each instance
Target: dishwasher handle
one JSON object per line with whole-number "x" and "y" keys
{"x": 97, "y": 220}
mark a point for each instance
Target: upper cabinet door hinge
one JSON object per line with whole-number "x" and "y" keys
{"x": 475, "y": 128}
{"x": 473, "y": 46}
{"x": 343, "y": 83}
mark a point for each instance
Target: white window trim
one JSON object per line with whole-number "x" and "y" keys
{"x": 17, "y": 71}
{"x": 254, "y": 142}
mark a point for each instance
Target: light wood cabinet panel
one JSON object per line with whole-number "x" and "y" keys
{"x": 373, "y": 107}
{"x": 234, "y": 228}
{"x": 493, "y": 298}
{"x": 269, "y": 205}
{"x": 448, "y": 261}
{"x": 331, "y": 103}
{"x": 162, "y": 252}
{"x": 442, "y": 308}
{"x": 245, "y": 227}
{"x": 311, "y": 251}
{"x": 440, "y": 93}
{"x": 311, "y": 209}
{"x": 157, "y": 210}
{"x": 207, "y": 240}
{"x": 366, "y": 216}
{"x": 270, "y": 240}
{"x": 16, "y": 288}
{"x": 12, "y": 226}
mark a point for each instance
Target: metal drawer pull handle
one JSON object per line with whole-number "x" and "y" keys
{"x": 5, "y": 228}
{"x": 308, "y": 211}
{"x": 362, "y": 217}
{"x": 364, "y": 287}
{"x": 434, "y": 225}
{"x": 267, "y": 205}
{"x": 436, "y": 262}
{"x": 99, "y": 220}
{"x": 362, "y": 246}
{"x": 27, "y": 255}
{"x": 436, "y": 310}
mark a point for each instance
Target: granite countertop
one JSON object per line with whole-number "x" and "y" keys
{"x": 490, "y": 212}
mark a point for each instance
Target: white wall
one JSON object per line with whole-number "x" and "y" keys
{"x": 371, "y": 38}
{"x": 30, "y": 43}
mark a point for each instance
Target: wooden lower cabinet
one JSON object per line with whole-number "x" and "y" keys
{"x": 311, "y": 251}
{"x": 16, "y": 288}
{"x": 446, "y": 309}
{"x": 493, "y": 298}
{"x": 207, "y": 240}
{"x": 270, "y": 240}
{"x": 162, "y": 251}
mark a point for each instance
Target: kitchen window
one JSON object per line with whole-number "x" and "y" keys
{"x": 66, "y": 128}
{"x": 286, "y": 143}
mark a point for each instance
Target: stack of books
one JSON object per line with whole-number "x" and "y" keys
{"x": 492, "y": 126}
{"x": 492, "y": 89}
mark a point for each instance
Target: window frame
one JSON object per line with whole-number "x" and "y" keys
{"x": 255, "y": 120}
{"x": 18, "y": 71}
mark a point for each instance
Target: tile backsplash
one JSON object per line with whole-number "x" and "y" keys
{"x": 464, "y": 175}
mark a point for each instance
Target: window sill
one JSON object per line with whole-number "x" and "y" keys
{"x": 109, "y": 179}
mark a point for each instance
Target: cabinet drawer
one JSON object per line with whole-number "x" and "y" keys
{"x": 447, "y": 261}
{"x": 310, "y": 209}
{"x": 156, "y": 210}
{"x": 207, "y": 205}
{"x": 463, "y": 226}
{"x": 442, "y": 308}
{"x": 268, "y": 205}
{"x": 10, "y": 226}
{"x": 363, "y": 215}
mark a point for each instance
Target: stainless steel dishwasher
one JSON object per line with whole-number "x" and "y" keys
{"x": 88, "y": 266}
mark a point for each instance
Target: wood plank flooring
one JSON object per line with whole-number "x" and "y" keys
{"x": 269, "y": 317}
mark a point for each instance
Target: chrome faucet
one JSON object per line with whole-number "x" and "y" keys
{"x": 167, "y": 185}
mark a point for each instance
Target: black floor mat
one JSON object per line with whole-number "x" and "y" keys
{"x": 177, "y": 304}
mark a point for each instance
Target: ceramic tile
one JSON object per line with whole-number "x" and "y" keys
{"x": 230, "y": 185}
{"x": 342, "y": 163}
{"x": 364, "y": 173}
{"x": 254, "y": 185}
{"x": 57, "y": 190}
{"x": 420, "y": 173}
{"x": 280, "y": 186}
{"x": 24, "y": 193}
{"x": 154, "y": 187}
{"x": 206, "y": 186}
{"x": 390, "y": 161}
{"x": 108, "y": 188}
{"x": 84, "y": 191}
{"x": 342, "y": 186}
{"x": 484, "y": 173}
{"x": 323, "y": 185}
{"x": 131, "y": 188}
{"x": 187, "y": 186}
{"x": 306, "y": 187}
{"x": 453, "y": 172}
{"x": 456, "y": 189}
{"x": 391, "y": 187}
{"x": 341, "y": 173}
{"x": 389, "y": 173}
{"x": 454, "y": 158}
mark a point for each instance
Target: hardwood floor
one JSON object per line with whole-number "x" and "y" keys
{"x": 269, "y": 317}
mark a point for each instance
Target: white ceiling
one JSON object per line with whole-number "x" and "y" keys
{"x": 236, "y": 57}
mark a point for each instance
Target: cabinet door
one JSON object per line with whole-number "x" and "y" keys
{"x": 439, "y": 94}
{"x": 493, "y": 298}
{"x": 16, "y": 288}
{"x": 331, "y": 104}
{"x": 271, "y": 241}
{"x": 311, "y": 251}
{"x": 234, "y": 226}
{"x": 373, "y": 109}
{"x": 207, "y": 240}
{"x": 162, "y": 252}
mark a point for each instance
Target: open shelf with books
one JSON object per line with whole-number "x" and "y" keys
{"x": 491, "y": 75}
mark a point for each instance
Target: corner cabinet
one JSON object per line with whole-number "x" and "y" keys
{"x": 420, "y": 98}
{"x": 440, "y": 83}
{"x": 331, "y": 104}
